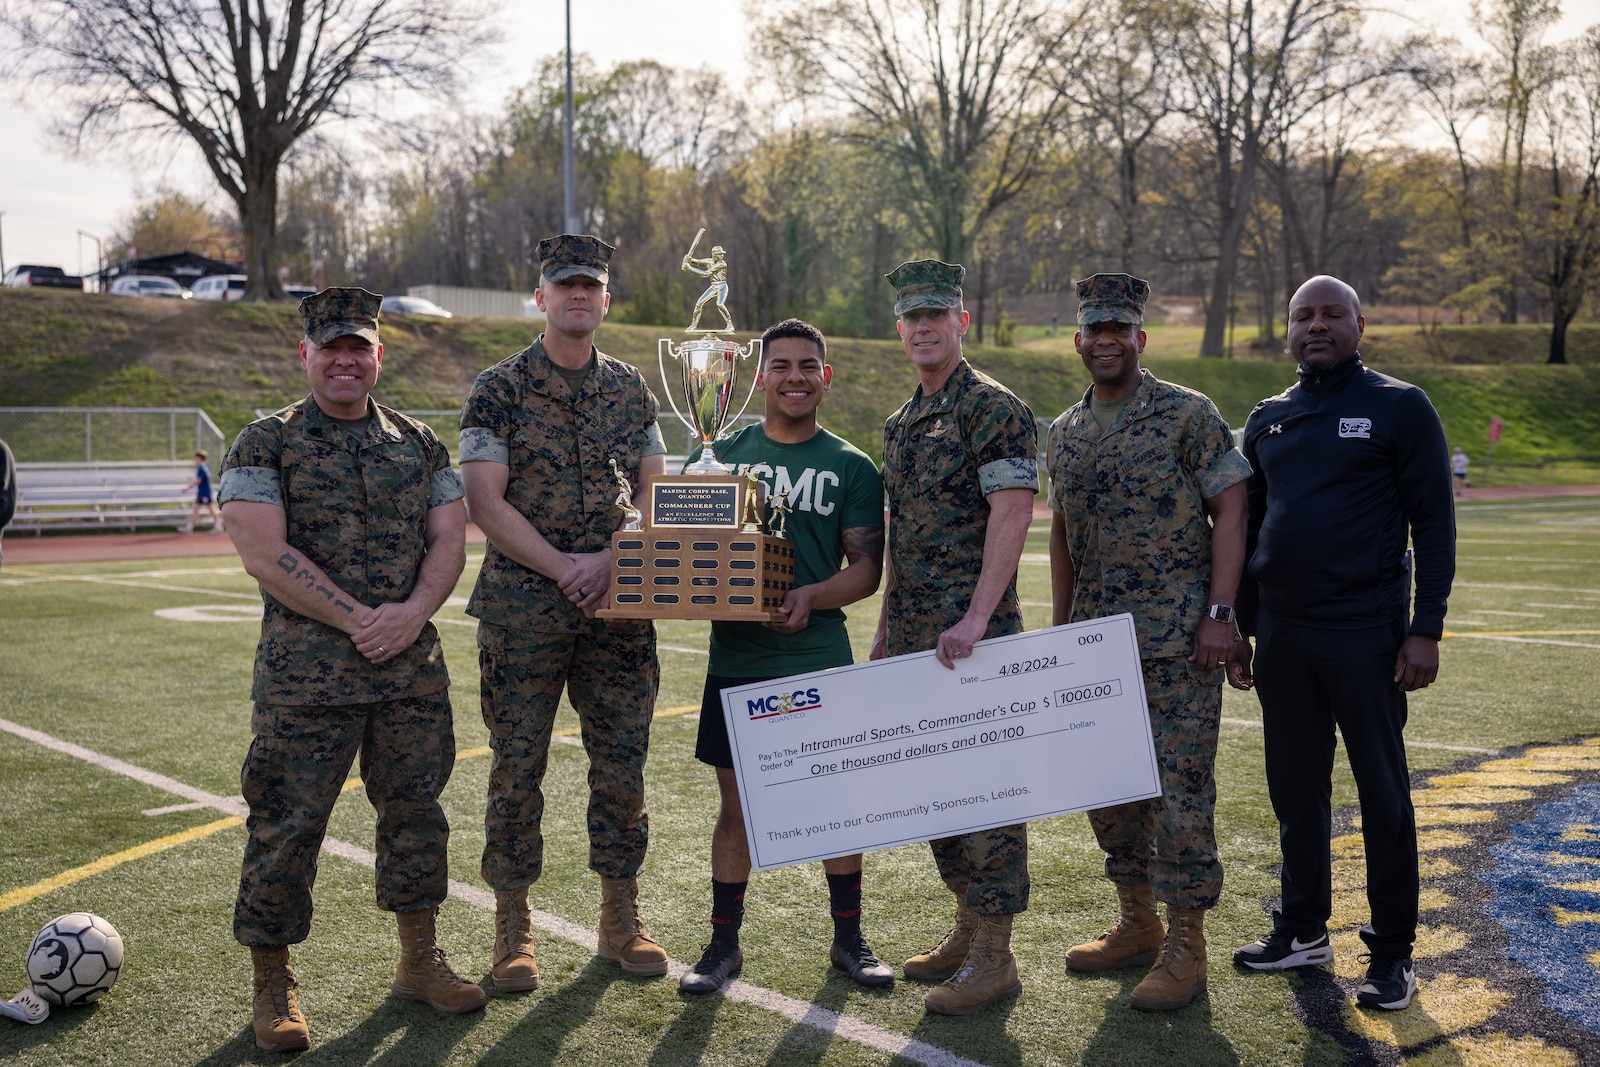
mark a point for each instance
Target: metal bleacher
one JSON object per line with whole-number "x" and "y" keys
{"x": 101, "y": 496}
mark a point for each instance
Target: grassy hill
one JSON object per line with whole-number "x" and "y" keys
{"x": 67, "y": 349}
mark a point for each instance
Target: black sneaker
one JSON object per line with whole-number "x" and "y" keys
{"x": 858, "y": 961}
{"x": 1390, "y": 982}
{"x": 1281, "y": 949}
{"x": 717, "y": 966}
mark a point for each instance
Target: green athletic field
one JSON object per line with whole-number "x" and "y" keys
{"x": 85, "y": 660}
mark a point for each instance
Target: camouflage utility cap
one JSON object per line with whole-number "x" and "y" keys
{"x": 337, "y": 312}
{"x": 1111, "y": 298}
{"x": 926, "y": 283}
{"x": 571, "y": 254}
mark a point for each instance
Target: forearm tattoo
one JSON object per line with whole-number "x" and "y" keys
{"x": 291, "y": 566}
{"x": 863, "y": 542}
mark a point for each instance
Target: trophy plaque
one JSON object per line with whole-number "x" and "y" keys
{"x": 701, "y": 549}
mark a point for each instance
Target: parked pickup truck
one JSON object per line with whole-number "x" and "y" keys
{"x": 28, "y": 276}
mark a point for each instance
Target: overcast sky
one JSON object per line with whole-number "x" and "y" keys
{"x": 47, "y": 198}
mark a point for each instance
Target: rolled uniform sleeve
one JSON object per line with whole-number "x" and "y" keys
{"x": 444, "y": 486}
{"x": 252, "y": 469}
{"x": 479, "y": 444}
{"x": 1004, "y": 446}
{"x": 256, "y": 485}
{"x": 654, "y": 443}
{"x": 1212, "y": 457}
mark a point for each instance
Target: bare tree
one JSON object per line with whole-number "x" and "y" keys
{"x": 953, "y": 98}
{"x": 1520, "y": 68}
{"x": 242, "y": 80}
{"x": 1453, "y": 97}
{"x": 1118, "y": 74}
{"x": 1571, "y": 115}
{"x": 1253, "y": 70}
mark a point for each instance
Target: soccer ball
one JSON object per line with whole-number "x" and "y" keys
{"x": 75, "y": 959}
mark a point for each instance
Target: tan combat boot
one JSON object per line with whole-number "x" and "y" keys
{"x": 1132, "y": 942}
{"x": 514, "y": 968}
{"x": 1180, "y": 970}
{"x": 988, "y": 973}
{"x": 423, "y": 973}
{"x": 623, "y": 937}
{"x": 277, "y": 1021}
{"x": 945, "y": 958}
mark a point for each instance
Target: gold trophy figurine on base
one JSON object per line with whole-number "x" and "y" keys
{"x": 624, "y": 502}
{"x": 702, "y": 550}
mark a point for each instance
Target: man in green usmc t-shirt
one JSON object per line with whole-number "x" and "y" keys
{"x": 836, "y": 499}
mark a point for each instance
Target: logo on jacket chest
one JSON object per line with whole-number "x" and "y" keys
{"x": 1349, "y": 427}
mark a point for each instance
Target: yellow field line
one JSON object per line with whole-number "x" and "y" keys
{"x": 483, "y": 750}
{"x": 1526, "y": 633}
{"x": 38, "y": 889}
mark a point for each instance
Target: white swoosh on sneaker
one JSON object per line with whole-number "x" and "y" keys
{"x": 1296, "y": 945}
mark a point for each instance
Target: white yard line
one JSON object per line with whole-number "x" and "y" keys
{"x": 801, "y": 1012}
{"x": 1562, "y": 607}
{"x": 1530, "y": 640}
{"x": 97, "y": 579}
{"x": 1459, "y": 584}
{"x": 1551, "y": 560}
{"x": 1256, "y": 724}
{"x": 1517, "y": 614}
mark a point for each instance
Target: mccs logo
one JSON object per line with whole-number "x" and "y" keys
{"x": 784, "y": 703}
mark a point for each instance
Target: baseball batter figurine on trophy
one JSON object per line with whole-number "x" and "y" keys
{"x": 702, "y": 551}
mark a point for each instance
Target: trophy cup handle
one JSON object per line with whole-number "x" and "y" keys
{"x": 663, "y": 350}
{"x": 745, "y": 352}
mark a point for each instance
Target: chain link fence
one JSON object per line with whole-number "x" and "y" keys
{"x": 110, "y": 435}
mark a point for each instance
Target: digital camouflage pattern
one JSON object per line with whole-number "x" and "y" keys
{"x": 1111, "y": 298}
{"x": 611, "y": 678}
{"x": 358, "y": 510}
{"x": 1133, "y": 501}
{"x": 558, "y": 446}
{"x": 1133, "y": 498}
{"x": 569, "y": 255}
{"x": 987, "y": 869}
{"x": 942, "y": 455}
{"x": 926, "y": 283}
{"x": 1171, "y": 840}
{"x": 294, "y": 772}
{"x": 341, "y": 312}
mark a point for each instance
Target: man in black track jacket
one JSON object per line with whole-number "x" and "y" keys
{"x": 1347, "y": 463}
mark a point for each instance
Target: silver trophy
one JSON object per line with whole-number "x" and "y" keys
{"x": 709, "y": 365}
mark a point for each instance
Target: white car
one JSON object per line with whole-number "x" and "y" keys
{"x": 149, "y": 285}
{"x": 220, "y": 287}
{"x": 414, "y": 305}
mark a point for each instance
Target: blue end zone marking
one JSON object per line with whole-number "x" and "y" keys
{"x": 1525, "y": 894}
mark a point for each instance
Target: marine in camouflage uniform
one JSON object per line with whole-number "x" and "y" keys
{"x": 1146, "y": 491}
{"x": 958, "y": 457}
{"x": 538, "y": 432}
{"x": 350, "y": 516}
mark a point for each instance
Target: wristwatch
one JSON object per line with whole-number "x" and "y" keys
{"x": 1221, "y": 612}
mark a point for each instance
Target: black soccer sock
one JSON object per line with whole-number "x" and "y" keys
{"x": 844, "y": 898}
{"x": 727, "y": 910}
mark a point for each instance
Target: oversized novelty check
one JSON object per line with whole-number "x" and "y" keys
{"x": 878, "y": 754}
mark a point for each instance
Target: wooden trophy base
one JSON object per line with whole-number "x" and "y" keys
{"x": 686, "y": 573}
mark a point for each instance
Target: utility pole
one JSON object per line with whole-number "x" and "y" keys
{"x": 571, "y": 223}
{"x": 99, "y": 258}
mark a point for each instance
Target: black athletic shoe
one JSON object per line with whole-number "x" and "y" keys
{"x": 1390, "y": 982}
{"x": 858, "y": 961}
{"x": 1281, "y": 949}
{"x": 717, "y": 966}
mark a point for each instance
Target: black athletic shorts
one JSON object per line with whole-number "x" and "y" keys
{"x": 711, "y": 746}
